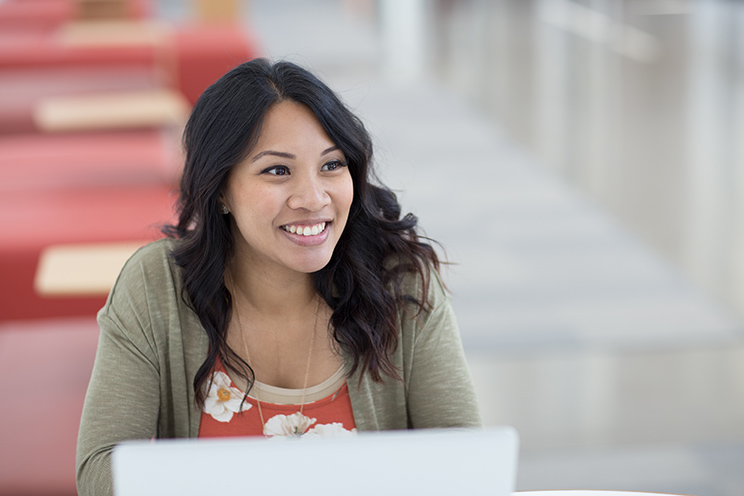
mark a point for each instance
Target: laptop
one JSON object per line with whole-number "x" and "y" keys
{"x": 446, "y": 462}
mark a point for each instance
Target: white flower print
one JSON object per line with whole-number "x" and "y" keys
{"x": 222, "y": 400}
{"x": 287, "y": 425}
{"x": 335, "y": 429}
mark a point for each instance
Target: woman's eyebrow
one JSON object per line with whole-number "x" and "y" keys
{"x": 272, "y": 152}
{"x": 329, "y": 150}
{"x": 288, "y": 155}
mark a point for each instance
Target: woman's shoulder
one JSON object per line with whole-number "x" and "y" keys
{"x": 154, "y": 252}
{"x": 152, "y": 258}
{"x": 149, "y": 274}
{"x": 427, "y": 287}
{"x": 428, "y": 311}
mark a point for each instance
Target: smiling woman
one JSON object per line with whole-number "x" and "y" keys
{"x": 290, "y": 299}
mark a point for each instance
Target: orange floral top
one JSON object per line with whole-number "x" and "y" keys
{"x": 327, "y": 410}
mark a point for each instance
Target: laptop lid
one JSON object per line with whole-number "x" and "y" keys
{"x": 415, "y": 462}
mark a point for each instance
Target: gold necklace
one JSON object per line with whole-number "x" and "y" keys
{"x": 307, "y": 366}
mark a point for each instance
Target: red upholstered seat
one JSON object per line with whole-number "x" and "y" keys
{"x": 31, "y": 222}
{"x": 37, "y": 15}
{"x": 206, "y": 51}
{"x": 45, "y": 15}
{"x": 32, "y": 162}
{"x": 195, "y": 56}
{"x": 84, "y": 215}
{"x": 46, "y": 367}
{"x": 21, "y": 49}
{"x": 21, "y": 90}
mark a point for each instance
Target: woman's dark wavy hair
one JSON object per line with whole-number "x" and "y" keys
{"x": 360, "y": 284}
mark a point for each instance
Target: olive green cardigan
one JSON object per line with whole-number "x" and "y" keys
{"x": 151, "y": 345}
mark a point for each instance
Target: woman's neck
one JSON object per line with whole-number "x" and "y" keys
{"x": 283, "y": 321}
{"x": 272, "y": 293}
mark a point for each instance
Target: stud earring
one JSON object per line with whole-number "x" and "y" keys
{"x": 223, "y": 209}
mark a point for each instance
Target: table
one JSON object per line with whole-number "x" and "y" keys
{"x": 82, "y": 269}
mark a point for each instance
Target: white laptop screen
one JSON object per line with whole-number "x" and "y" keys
{"x": 471, "y": 462}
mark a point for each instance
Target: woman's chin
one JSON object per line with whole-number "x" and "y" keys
{"x": 309, "y": 265}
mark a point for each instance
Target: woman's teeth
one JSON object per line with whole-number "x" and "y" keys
{"x": 307, "y": 230}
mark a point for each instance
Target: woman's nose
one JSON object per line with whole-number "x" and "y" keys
{"x": 309, "y": 194}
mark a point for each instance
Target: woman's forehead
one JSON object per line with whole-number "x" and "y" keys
{"x": 290, "y": 125}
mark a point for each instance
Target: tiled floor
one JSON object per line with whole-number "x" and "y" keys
{"x": 616, "y": 370}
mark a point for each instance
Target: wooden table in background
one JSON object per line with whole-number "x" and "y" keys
{"x": 82, "y": 269}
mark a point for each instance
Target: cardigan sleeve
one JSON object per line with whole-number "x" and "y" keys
{"x": 150, "y": 348}
{"x": 440, "y": 390}
{"x": 123, "y": 395}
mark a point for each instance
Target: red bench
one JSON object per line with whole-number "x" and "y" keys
{"x": 37, "y": 162}
{"x": 45, "y": 15}
{"x": 192, "y": 56}
{"x": 46, "y": 367}
{"x": 30, "y": 223}
{"x": 23, "y": 90}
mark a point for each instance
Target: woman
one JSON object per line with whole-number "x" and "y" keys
{"x": 290, "y": 298}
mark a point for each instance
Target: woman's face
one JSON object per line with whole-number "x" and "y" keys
{"x": 290, "y": 197}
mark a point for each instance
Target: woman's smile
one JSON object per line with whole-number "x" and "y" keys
{"x": 312, "y": 230}
{"x": 307, "y": 234}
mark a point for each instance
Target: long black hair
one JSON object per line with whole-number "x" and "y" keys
{"x": 362, "y": 283}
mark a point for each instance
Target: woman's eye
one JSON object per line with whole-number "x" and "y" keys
{"x": 277, "y": 170}
{"x": 332, "y": 166}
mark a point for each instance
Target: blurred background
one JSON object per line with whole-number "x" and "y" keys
{"x": 579, "y": 160}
